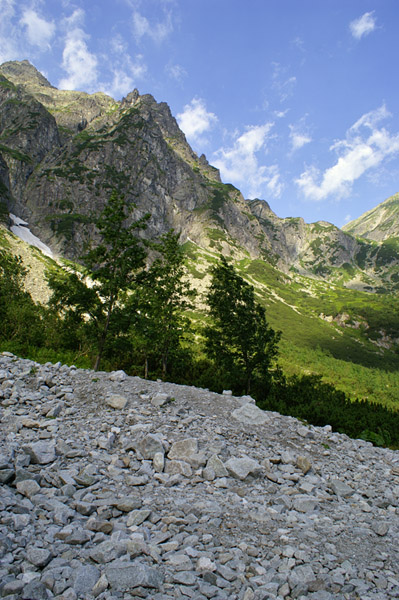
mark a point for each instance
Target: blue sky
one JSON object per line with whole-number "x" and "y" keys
{"x": 295, "y": 101}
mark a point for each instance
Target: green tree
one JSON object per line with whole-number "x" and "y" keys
{"x": 161, "y": 301}
{"x": 20, "y": 318}
{"x": 238, "y": 338}
{"x": 110, "y": 270}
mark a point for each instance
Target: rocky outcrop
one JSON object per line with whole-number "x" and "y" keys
{"x": 176, "y": 492}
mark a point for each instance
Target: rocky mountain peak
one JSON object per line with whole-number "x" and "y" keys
{"x": 379, "y": 223}
{"x": 24, "y": 73}
{"x": 62, "y": 152}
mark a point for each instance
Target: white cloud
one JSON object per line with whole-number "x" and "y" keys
{"x": 298, "y": 137}
{"x": 366, "y": 146}
{"x": 125, "y": 76}
{"x": 77, "y": 60}
{"x": 283, "y": 85}
{"x": 176, "y": 72}
{"x": 158, "y": 32}
{"x": 363, "y": 25}
{"x": 39, "y": 31}
{"x": 10, "y": 47}
{"x": 239, "y": 164}
{"x": 196, "y": 120}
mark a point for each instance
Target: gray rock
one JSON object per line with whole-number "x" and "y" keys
{"x": 305, "y": 503}
{"x": 161, "y": 399}
{"x": 123, "y": 577}
{"x": 6, "y": 475}
{"x": 380, "y": 529}
{"x": 183, "y": 449}
{"x": 218, "y": 467}
{"x": 41, "y": 453}
{"x": 137, "y": 517}
{"x": 129, "y": 503}
{"x": 28, "y": 487}
{"x": 118, "y": 376}
{"x": 158, "y": 462}
{"x": 149, "y": 446}
{"x": 250, "y": 414}
{"x": 340, "y": 488}
{"x": 39, "y": 557}
{"x": 84, "y": 579}
{"x": 116, "y": 401}
{"x": 241, "y": 468}
{"x": 35, "y": 590}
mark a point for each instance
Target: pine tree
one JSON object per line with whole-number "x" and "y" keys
{"x": 162, "y": 299}
{"x": 238, "y": 338}
{"x": 110, "y": 270}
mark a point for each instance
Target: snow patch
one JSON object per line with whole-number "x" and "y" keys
{"x": 21, "y": 229}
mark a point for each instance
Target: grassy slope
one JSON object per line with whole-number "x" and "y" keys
{"x": 343, "y": 355}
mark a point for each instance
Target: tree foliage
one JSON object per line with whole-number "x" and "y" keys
{"x": 161, "y": 300}
{"x": 238, "y": 337}
{"x": 20, "y": 318}
{"x": 110, "y": 269}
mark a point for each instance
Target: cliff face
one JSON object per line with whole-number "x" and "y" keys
{"x": 63, "y": 152}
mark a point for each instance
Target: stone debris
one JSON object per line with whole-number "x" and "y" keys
{"x": 113, "y": 487}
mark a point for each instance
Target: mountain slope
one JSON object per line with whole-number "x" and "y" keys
{"x": 379, "y": 224}
{"x": 62, "y": 152}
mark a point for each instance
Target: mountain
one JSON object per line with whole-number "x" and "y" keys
{"x": 379, "y": 224}
{"x": 62, "y": 152}
{"x": 332, "y": 292}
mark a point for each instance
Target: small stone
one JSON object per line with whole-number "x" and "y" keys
{"x": 39, "y": 557}
{"x": 123, "y": 576}
{"x": 380, "y": 529}
{"x": 340, "y": 488}
{"x": 149, "y": 446}
{"x": 304, "y": 503}
{"x": 35, "y": 590}
{"x": 250, "y": 414}
{"x": 178, "y": 467}
{"x": 303, "y": 463}
{"x": 118, "y": 376}
{"x": 12, "y": 587}
{"x": 183, "y": 449}
{"x": 129, "y": 503}
{"x": 116, "y": 401}
{"x": 241, "y": 468}
{"x": 94, "y": 524}
{"x": 85, "y": 578}
{"x": 78, "y": 537}
{"x": 5, "y": 461}
{"x": 87, "y": 476}
{"x": 217, "y": 466}
{"x": 158, "y": 462}
{"x": 100, "y": 586}
{"x": 28, "y": 487}
{"x": 161, "y": 399}
{"x": 6, "y": 475}
{"x": 41, "y": 453}
{"x": 30, "y": 423}
{"x": 137, "y": 517}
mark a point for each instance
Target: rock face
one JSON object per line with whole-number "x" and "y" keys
{"x": 62, "y": 152}
{"x": 268, "y": 509}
